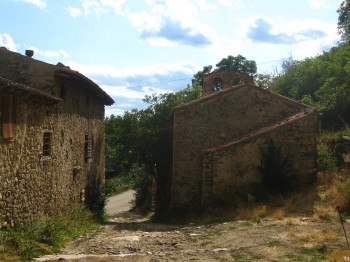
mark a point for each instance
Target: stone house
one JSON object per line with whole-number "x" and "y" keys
{"x": 51, "y": 137}
{"x": 218, "y": 139}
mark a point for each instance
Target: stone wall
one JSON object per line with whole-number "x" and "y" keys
{"x": 215, "y": 120}
{"x": 33, "y": 185}
{"x": 234, "y": 167}
{"x": 229, "y": 79}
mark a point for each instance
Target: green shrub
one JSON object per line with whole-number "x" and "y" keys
{"x": 343, "y": 132}
{"x": 325, "y": 159}
{"x": 142, "y": 185}
{"x": 97, "y": 203}
{"x": 119, "y": 184}
{"x": 45, "y": 236}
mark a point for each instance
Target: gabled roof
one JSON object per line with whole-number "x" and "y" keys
{"x": 13, "y": 62}
{"x": 233, "y": 89}
{"x": 12, "y": 88}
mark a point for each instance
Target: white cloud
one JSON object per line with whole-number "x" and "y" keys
{"x": 97, "y": 7}
{"x": 125, "y": 105}
{"x": 132, "y": 71}
{"x": 318, "y": 4}
{"x": 39, "y": 3}
{"x": 74, "y": 12}
{"x": 230, "y": 3}
{"x": 174, "y": 22}
{"x": 205, "y": 5}
{"x": 49, "y": 53}
{"x": 114, "y": 111}
{"x": 226, "y": 3}
{"x": 116, "y": 5}
{"x": 298, "y": 29}
{"x": 7, "y": 41}
{"x": 123, "y": 91}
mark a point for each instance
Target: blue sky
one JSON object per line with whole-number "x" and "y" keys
{"x": 133, "y": 48}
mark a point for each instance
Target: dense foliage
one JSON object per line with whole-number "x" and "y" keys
{"x": 143, "y": 137}
{"x": 322, "y": 81}
{"x": 134, "y": 137}
{"x": 238, "y": 63}
{"x": 344, "y": 20}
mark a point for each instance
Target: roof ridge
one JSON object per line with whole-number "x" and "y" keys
{"x": 234, "y": 88}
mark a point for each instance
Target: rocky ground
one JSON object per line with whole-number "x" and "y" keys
{"x": 128, "y": 237}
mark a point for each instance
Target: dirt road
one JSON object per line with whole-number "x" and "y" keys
{"x": 120, "y": 204}
{"x": 128, "y": 237}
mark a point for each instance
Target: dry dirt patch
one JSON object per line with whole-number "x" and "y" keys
{"x": 128, "y": 237}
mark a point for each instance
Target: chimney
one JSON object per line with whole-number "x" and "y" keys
{"x": 29, "y": 53}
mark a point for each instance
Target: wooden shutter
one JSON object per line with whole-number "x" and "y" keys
{"x": 8, "y": 116}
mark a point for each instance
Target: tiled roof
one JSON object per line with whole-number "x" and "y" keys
{"x": 233, "y": 89}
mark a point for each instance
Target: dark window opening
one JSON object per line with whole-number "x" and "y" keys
{"x": 47, "y": 144}
{"x": 217, "y": 86}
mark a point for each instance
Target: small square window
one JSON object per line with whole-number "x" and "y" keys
{"x": 47, "y": 144}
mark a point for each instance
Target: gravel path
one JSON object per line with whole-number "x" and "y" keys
{"x": 129, "y": 237}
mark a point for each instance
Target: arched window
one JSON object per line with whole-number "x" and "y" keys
{"x": 217, "y": 85}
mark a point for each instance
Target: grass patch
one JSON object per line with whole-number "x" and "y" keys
{"x": 302, "y": 240}
{"x": 274, "y": 244}
{"x": 247, "y": 224}
{"x": 25, "y": 242}
{"x": 245, "y": 257}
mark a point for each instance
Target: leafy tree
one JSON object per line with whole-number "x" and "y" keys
{"x": 238, "y": 63}
{"x": 322, "y": 81}
{"x": 344, "y": 20}
{"x": 263, "y": 80}
{"x": 198, "y": 77}
{"x": 144, "y": 137}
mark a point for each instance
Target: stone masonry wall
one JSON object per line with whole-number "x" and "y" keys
{"x": 33, "y": 185}
{"x": 229, "y": 78}
{"x": 215, "y": 120}
{"x": 235, "y": 168}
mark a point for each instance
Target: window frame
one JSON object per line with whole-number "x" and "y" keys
{"x": 47, "y": 144}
